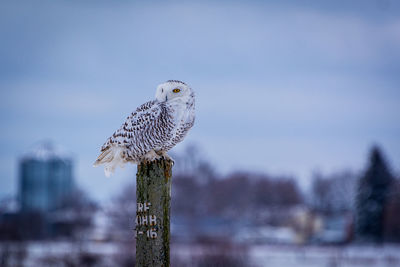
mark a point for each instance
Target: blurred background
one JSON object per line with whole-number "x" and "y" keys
{"x": 293, "y": 160}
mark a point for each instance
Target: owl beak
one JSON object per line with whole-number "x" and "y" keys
{"x": 166, "y": 98}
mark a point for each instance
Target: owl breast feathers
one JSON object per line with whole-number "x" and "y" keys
{"x": 153, "y": 129}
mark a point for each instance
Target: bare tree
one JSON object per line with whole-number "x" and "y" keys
{"x": 334, "y": 193}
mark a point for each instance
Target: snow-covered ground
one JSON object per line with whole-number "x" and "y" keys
{"x": 320, "y": 256}
{"x": 306, "y": 256}
{"x": 188, "y": 255}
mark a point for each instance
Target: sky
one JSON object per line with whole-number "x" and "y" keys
{"x": 282, "y": 87}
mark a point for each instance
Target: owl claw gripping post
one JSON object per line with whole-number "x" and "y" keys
{"x": 153, "y": 129}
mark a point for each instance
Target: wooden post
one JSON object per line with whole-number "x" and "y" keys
{"x": 153, "y": 197}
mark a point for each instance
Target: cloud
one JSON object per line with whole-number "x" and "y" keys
{"x": 110, "y": 43}
{"x": 292, "y": 86}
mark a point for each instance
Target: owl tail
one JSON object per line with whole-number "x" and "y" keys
{"x": 111, "y": 158}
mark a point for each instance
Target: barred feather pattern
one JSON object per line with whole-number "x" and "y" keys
{"x": 149, "y": 127}
{"x": 153, "y": 128}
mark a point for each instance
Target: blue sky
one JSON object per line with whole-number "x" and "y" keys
{"x": 284, "y": 87}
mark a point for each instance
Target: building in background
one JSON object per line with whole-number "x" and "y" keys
{"x": 45, "y": 180}
{"x": 49, "y": 204}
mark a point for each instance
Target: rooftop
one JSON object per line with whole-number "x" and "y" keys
{"x": 45, "y": 150}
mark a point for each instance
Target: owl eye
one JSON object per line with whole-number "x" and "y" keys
{"x": 176, "y": 90}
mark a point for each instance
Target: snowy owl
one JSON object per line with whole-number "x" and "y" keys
{"x": 153, "y": 129}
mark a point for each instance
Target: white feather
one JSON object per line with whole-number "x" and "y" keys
{"x": 111, "y": 158}
{"x": 153, "y": 129}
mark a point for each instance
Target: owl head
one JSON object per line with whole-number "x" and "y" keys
{"x": 172, "y": 90}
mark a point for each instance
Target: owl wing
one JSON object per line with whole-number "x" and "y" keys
{"x": 147, "y": 128}
{"x": 139, "y": 127}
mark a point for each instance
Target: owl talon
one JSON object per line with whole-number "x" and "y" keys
{"x": 165, "y": 156}
{"x": 151, "y": 156}
{"x": 169, "y": 159}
